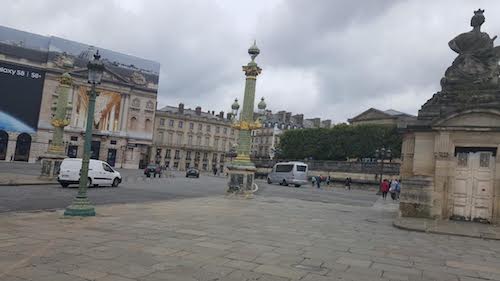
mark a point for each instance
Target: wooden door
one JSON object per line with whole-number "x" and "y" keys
{"x": 473, "y": 186}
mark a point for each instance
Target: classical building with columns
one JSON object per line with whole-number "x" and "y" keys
{"x": 125, "y": 106}
{"x": 186, "y": 138}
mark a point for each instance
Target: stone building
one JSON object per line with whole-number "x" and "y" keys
{"x": 382, "y": 117}
{"x": 186, "y": 138}
{"x": 266, "y": 139}
{"x": 450, "y": 167}
{"x": 30, "y": 69}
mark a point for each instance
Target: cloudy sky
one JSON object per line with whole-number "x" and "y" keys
{"x": 324, "y": 58}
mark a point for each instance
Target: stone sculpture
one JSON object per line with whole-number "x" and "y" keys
{"x": 476, "y": 66}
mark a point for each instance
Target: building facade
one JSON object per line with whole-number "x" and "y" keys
{"x": 185, "y": 138}
{"x": 31, "y": 67}
{"x": 383, "y": 117}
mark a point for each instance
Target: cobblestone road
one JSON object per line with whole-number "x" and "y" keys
{"x": 215, "y": 238}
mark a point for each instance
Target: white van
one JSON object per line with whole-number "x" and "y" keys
{"x": 289, "y": 173}
{"x": 100, "y": 173}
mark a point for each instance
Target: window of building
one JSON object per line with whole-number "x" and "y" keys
{"x": 170, "y": 123}
{"x": 217, "y": 129}
{"x": 133, "y": 123}
{"x": 188, "y": 155}
{"x": 74, "y": 138}
{"x": 225, "y": 131}
{"x": 160, "y": 137}
{"x": 205, "y": 156}
{"x": 224, "y": 145}
{"x": 208, "y": 128}
{"x": 191, "y": 126}
{"x": 462, "y": 159}
{"x": 205, "y": 166}
{"x": 214, "y": 158}
{"x": 176, "y": 165}
{"x": 167, "y": 154}
{"x": 112, "y": 142}
{"x": 177, "y": 154}
{"x": 198, "y": 140}
{"x": 170, "y": 138}
{"x": 207, "y": 141}
{"x": 179, "y": 139}
{"x": 216, "y": 143}
{"x": 484, "y": 160}
{"x": 190, "y": 140}
{"x": 197, "y": 156}
{"x": 200, "y": 127}
{"x": 162, "y": 121}
{"x": 180, "y": 124}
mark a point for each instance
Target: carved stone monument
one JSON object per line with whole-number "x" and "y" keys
{"x": 450, "y": 164}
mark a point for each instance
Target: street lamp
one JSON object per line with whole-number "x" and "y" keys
{"x": 81, "y": 205}
{"x": 382, "y": 154}
{"x": 234, "y": 108}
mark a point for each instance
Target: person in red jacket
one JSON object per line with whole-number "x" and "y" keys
{"x": 384, "y": 187}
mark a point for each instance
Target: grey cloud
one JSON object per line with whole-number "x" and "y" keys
{"x": 331, "y": 59}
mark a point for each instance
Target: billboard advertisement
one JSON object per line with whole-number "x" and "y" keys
{"x": 107, "y": 110}
{"x": 20, "y": 97}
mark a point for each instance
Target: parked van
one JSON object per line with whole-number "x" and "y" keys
{"x": 100, "y": 173}
{"x": 289, "y": 173}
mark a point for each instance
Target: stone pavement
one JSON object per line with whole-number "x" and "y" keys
{"x": 215, "y": 238}
{"x": 461, "y": 228}
{"x": 9, "y": 179}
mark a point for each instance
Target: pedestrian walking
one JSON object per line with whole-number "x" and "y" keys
{"x": 215, "y": 171}
{"x": 398, "y": 189}
{"x": 384, "y": 187}
{"x": 347, "y": 183}
{"x": 392, "y": 189}
{"x": 328, "y": 179}
{"x": 318, "y": 182}
{"x": 313, "y": 181}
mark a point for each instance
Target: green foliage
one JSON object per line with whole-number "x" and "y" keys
{"x": 339, "y": 142}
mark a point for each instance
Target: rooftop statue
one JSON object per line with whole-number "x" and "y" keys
{"x": 476, "y": 66}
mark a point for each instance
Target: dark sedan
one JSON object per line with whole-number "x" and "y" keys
{"x": 153, "y": 169}
{"x": 192, "y": 173}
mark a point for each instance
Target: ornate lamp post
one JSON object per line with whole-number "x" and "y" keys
{"x": 241, "y": 171}
{"x": 382, "y": 154}
{"x": 81, "y": 205}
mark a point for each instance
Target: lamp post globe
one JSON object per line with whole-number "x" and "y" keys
{"x": 95, "y": 69}
{"x": 81, "y": 205}
{"x": 235, "y": 108}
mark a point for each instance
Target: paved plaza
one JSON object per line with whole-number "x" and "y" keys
{"x": 220, "y": 238}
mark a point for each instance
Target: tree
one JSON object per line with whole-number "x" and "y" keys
{"x": 339, "y": 142}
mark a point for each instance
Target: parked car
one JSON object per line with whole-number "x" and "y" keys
{"x": 192, "y": 172}
{"x": 100, "y": 173}
{"x": 288, "y": 173}
{"x": 154, "y": 169}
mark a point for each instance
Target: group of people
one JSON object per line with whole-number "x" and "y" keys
{"x": 318, "y": 179}
{"x": 393, "y": 187}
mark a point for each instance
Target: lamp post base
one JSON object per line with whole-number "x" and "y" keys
{"x": 241, "y": 179}
{"x": 81, "y": 207}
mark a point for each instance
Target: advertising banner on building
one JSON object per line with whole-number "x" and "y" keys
{"x": 106, "y": 113}
{"x": 20, "y": 97}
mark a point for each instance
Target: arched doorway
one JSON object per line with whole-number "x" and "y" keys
{"x": 4, "y": 141}
{"x": 23, "y": 145}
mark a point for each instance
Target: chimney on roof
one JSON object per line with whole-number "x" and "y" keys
{"x": 213, "y": 112}
{"x": 198, "y": 110}
{"x": 221, "y": 115}
{"x": 181, "y": 108}
{"x": 229, "y": 115}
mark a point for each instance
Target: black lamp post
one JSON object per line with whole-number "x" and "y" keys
{"x": 81, "y": 205}
{"x": 382, "y": 154}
